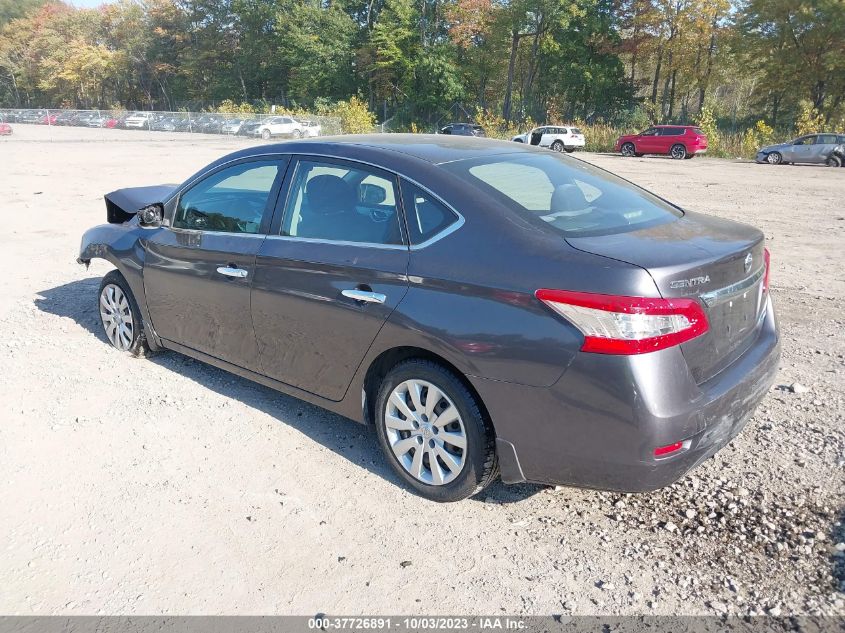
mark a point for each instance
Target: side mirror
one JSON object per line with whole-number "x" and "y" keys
{"x": 372, "y": 194}
{"x": 151, "y": 216}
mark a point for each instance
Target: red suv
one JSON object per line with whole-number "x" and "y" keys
{"x": 678, "y": 141}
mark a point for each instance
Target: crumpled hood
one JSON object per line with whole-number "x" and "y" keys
{"x": 122, "y": 204}
{"x": 775, "y": 148}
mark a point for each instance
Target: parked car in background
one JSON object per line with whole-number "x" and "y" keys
{"x": 31, "y": 116}
{"x": 139, "y": 121}
{"x": 463, "y": 129}
{"x": 557, "y": 137}
{"x": 231, "y": 126}
{"x": 812, "y": 149}
{"x": 5, "y": 128}
{"x": 677, "y": 141}
{"x": 65, "y": 117}
{"x": 249, "y": 127}
{"x": 183, "y": 123}
{"x": 212, "y": 124}
{"x": 97, "y": 120}
{"x": 163, "y": 124}
{"x": 280, "y": 126}
{"x": 311, "y": 129}
{"x": 561, "y": 325}
{"x": 48, "y": 119}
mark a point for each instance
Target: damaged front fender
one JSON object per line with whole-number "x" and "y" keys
{"x": 122, "y": 246}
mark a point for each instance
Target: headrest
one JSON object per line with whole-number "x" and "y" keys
{"x": 327, "y": 193}
{"x": 567, "y": 199}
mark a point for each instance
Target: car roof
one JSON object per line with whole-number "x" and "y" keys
{"x": 432, "y": 148}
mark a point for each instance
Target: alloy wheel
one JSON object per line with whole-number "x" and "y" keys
{"x": 425, "y": 432}
{"x": 678, "y": 152}
{"x": 774, "y": 158}
{"x": 628, "y": 149}
{"x": 117, "y": 317}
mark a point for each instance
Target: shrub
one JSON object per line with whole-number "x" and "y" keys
{"x": 355, "y": 117}
{"x": 707, "y": 122}
{"x": 809, "y": 120}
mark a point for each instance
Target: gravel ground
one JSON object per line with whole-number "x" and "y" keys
{"x": 166, "y": 486}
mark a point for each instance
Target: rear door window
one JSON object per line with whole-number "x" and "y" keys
{"x": 425, "y": 215}
{"x": 342, "y": 202}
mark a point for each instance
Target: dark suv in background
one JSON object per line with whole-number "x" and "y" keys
{"x": 463, "y": 129}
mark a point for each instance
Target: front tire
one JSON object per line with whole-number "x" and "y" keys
{"x": 774, "y": 158}
{"x": 678, "y": 152}
{"x": 557, "y": 146}
{"x": 433, "y": 432}
{"x": 628, "y": 150}
{"x": 120, "y": 316}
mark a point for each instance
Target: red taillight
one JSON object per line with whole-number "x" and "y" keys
{"x": 768, "y": 261}
{"x": 627, "y": 325}
{"x": 662, "y": 451}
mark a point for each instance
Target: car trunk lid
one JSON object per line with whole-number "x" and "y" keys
{"x": 721, "y": 263}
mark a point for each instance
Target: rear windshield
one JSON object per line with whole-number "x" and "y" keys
{"x": 575, "y": 130}
{"x": 698, "y": 130}
{"x": 567, "y": 195}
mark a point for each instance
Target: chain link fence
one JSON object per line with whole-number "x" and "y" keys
{"x": 260, "y": 126}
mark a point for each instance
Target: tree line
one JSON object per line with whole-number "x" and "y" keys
{"x": 618, "y": 61}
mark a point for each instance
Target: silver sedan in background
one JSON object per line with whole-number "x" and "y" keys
{"x": 812, "y": 149}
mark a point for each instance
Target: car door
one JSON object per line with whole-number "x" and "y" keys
{"x": 823, "y": 147}
{"x": 549, "y": 136}
{"x": 330, "y": 274}
{"x": 197, "y": 271}
{"x": 648, "y": 142}
{"x": 801, "y": 150}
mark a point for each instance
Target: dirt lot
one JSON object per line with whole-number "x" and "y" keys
{"x": 166, "y": 486}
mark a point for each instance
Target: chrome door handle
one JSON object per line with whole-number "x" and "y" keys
{"x": 363, "y": 295}
{"x": 239, "y": 273}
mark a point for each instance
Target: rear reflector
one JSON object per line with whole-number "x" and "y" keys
{"x": 614, "y": 324}
{"x": 768, "y": 261}
{"x": 662, "y": 451}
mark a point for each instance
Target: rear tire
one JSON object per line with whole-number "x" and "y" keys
{"x": 833, "y": 161}
{"x": 557, "y": 146}
{"x": 265, "y": 134}
{"x": 413, "y": 398}
{"x": 628, "y": 150}
{"x": 678, "y": 152}
{"x": 120, "y": 316}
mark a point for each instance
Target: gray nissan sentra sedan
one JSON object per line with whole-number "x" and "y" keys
{"x": 491, "y": 308}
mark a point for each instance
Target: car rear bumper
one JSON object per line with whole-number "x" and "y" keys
{"x": 598, "y": 426}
